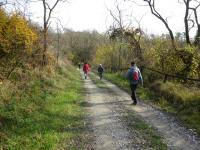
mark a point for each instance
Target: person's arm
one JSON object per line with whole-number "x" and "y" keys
{"x": 88, "y": 67}
{"x": 128, "y": 74}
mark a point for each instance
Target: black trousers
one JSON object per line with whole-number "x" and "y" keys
{"x": 133, "y": 92}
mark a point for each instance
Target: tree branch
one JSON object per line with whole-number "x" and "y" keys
{"x": 151, "y": 4}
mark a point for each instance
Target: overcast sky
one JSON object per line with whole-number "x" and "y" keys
{"x": 82, "y": 15}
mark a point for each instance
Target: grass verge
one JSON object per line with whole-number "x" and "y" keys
{"x": 47, "y": 114}
{"x": 174, "y": 98}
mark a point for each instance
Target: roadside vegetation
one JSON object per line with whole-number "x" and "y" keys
{"x": 40, "y": 103}
{"x": 48, "y": 114}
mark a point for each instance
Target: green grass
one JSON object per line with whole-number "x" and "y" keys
{"x": 119, "y": 80}
{"x": 180, "y": 100}
{"x": 183, "y": 102}
{"x": 47, "y": 116}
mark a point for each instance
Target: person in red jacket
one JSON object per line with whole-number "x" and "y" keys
{"x": 86, "y": 69}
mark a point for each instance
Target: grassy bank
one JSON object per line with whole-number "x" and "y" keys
{"x": 182, "y": 101}
{"x": 43, "y": 113}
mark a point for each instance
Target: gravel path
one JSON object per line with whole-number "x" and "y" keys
{"x": 109, "y": 131}
{"x": 176, "y": 136}
{"x": 107, "y": 107}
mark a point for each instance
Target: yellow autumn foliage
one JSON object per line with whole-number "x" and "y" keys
{"x": 15, "y": 34}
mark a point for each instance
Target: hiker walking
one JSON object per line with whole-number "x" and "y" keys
{"x": 134, "y": 76}
{"x": 100, "y": 71}
{"x": 79, "y": 66}
{"x": 86, "y": 69}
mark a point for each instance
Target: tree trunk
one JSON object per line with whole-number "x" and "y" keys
{"x": 44, "y": 46}
{"x": 187, "y": 36}
{"x": 197, "y": 37}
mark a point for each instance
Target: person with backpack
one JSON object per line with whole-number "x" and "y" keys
{"x": 86, "y": 69}
{"x": 100, "y": 71}
{"x": 134, "y": 76}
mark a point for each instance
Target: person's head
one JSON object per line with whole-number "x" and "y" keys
{"x": 132, "y": 63}
{"x": 85, "y": 63}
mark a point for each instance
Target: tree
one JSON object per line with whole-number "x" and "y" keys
{"x": 117, "y": 29}
{"x": 195, "y": 11}
{"x": 81, "y": 46}
{"x": 16, "y": 42}
{"x": 184, "y": 53}
{"x": 5, "y": 2}
{"x": 46, "y": 22}
{"x": 125, "y": 33}
{"x": 151, "y": 4}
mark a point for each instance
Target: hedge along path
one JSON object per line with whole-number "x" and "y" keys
{"x": 110, "y": 126}
{"x": 176, "y": 136}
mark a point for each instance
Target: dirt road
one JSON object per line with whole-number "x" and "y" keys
{"x": 113, "y": 117}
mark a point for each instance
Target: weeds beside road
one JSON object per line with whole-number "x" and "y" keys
{"x": 49, "y": 114}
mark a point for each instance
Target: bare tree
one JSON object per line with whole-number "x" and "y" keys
{"x": 187, "y": 19}
{"x": 46, "y": 22}
{"x": 5, "y": 2}
{"x": 124, "y": 32}
{"x": 117, "y": 28}
{"x": 195, "y": 9}
{"x": 187, "y": 35}
{"x": 151, "y": 4}
{"x": 191, "y": 11}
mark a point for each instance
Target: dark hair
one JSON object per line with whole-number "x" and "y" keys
{"x": 132, "y": 63}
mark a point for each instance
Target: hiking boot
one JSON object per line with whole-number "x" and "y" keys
{"x": 135, "y": 103}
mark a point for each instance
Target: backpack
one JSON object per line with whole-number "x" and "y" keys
{"x": 100, "y": 69}
{"x": 135, "y": 75}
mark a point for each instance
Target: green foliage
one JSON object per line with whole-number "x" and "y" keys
{"x": 181, "y": 100}
{"x": 118, "y": 79}
{"x": 157, "y": 53}
{"x": 81, "y": 46}
{"x": 105, "y": 55}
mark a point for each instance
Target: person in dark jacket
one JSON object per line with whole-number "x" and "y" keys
{"x": 134, "y": 76}
{"x": 79, "y": 66}
{"x": 100, "y": 71}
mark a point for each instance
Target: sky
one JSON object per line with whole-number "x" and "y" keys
{"x": 81, "y": 15}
